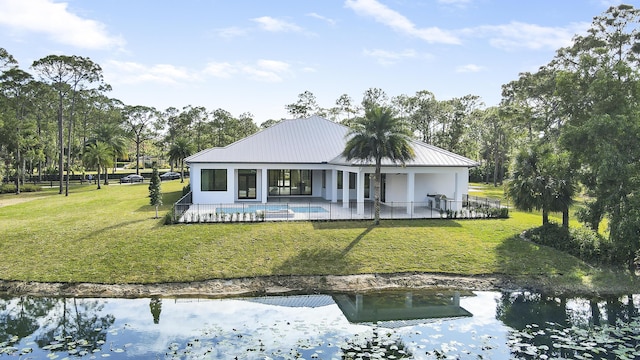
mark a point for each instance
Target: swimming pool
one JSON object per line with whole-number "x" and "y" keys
{"x": 255, "y": 208}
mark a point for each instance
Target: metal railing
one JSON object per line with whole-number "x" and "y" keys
{"x": 184, "y": 212}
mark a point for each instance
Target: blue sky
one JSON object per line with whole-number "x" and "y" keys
{"x": 256, "y": 56}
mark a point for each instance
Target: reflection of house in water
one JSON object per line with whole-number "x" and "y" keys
{"x": 397, "y": 309}
{"x": 309, "y": 301}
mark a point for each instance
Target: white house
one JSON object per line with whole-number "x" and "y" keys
{"x": 302, "y": 158}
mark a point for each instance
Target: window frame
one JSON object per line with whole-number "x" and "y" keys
{"x": 217, "y": 181}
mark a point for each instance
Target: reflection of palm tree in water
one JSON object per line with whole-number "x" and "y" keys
{"x": 156, "y": 307}
{"x": 77, "y": 322}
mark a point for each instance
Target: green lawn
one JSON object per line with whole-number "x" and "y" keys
{"x": 111, "y": 236}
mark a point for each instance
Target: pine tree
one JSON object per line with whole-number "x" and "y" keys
{"x": 154, "y": 189}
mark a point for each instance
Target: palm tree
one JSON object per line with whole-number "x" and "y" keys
{"x": 542, "y": 180}
{"x": 378, "y": 135}
{"x": 99, "y": 155}
{"x": 180, "y": 150}
{"x": 112, "y": 136}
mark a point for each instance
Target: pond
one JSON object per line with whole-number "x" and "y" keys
{"x": 425, "y": 324}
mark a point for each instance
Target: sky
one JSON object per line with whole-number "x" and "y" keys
{"x": 257, "y": 56}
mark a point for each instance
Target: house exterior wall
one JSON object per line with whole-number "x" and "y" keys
{"x": 452, "y": 182}
{"x": 396, "y": 188}
{"x": 212, "y": 197}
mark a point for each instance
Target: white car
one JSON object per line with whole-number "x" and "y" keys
{"x": 131, "y": 178}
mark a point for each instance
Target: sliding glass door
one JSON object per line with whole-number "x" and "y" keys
{"x": 246, "y": 184}
{"x": 289, "y": 182}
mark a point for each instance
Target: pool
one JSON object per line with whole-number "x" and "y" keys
{"x": 254, "y": 208}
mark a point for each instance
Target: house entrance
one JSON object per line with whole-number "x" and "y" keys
{"x": 246, "y": 184}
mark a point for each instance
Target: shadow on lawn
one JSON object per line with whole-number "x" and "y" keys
{"x": 518, "y": 257}
{"x": 320, "y": 261}
{"x": 317, "y": 261}
{"x": 367, "y": 224}
{"x": 99, "y": 232}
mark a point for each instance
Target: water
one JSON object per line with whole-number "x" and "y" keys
{"x": 255, "y": 208}
{"x": 418, "y": 324}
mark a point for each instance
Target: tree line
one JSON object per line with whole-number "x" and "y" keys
{"x": 57, "y": 118}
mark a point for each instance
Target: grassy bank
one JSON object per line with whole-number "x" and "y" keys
{"x": 111, "y": 236}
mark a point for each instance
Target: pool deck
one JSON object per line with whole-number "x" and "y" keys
{"x": 301, "y": 209}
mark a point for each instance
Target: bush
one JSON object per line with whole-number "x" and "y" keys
{"x": 11, "y": 188}
{"x": 583, "y": 243}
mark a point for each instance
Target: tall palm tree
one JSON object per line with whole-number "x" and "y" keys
{"x": 112, "y": 136}
{"x": 378, "y": 135}
{"x": 99, "y": 155}
{"x": 181, "y": 149}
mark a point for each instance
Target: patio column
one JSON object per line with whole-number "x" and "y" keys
{"x": 345, "y": 189}
{"x": 265, "y": 184}
{"x": 456, "y": 193}
{"x": 360, "y": 186}
{"x": 411, "y": 189}
{"x": 334, "y": 186}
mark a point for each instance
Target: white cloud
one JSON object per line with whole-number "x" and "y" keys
{"x": 391, "y": 18}
{"x": 220, "y": 69}
{"x": 261, "y": 70}
{"x": 56, "y": 21}
{"x": 518, "y": 35}
{"x": 133, "y": 73}
{"x": 469, "y": 68}
{"x": 323, "y": 18}
{"x": 232, "y": 32}
{"x": 274, "y": 25}
{"x": 385, "y": 57}
{"x": 458, "y": 3}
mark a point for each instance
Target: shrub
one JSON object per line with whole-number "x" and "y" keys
{"x": 11, "y": 188}
{"x": 168, "y": 217}
{"x": 583, "y": 243}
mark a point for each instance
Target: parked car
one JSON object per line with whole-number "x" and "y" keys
{"x": 131, "y": 178}
{"x": 170, "y": 175}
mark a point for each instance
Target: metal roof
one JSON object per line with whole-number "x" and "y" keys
{"x": 313, "y": 140}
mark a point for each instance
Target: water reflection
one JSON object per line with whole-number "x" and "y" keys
{"x": 417, "y": 324}
{"x": 397, "y": 309}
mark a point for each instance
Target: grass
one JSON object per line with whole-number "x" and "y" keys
{"x": 111, "y": 236}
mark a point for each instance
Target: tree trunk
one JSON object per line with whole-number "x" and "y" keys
{"x": 60, "y": 144}
{"x": 565, "y": 218}
{"x": 137, "y": 154}
{"x": 18, "y": 167}
{"x": 545, "y": 216}
{"x": 376, "y": 200}
{"x": 98, "y": 176}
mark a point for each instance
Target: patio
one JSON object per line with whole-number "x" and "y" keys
{"x": 318, "y": 209}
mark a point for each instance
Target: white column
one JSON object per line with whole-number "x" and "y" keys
{"x": 360, "y": 192}
{"x": 265, "y": 184}
{"x": 334, "y": 186}
{"x": 345, "y": 189}
{"x": 411, "y": 189}
{"x": 457, "y": 195}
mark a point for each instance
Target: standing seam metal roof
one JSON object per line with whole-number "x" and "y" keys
{"x": 312, "y": 140}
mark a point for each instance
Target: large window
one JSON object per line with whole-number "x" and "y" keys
{"x": 289, "y": 182}
{"x": 352, "y": 180}
{"x": 213, "y": 180}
